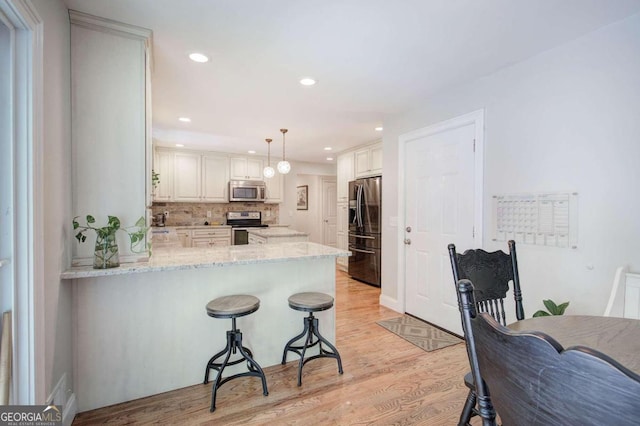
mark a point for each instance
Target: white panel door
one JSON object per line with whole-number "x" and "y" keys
{"x": 439, "y": 209}
{"x": 329, "y": 213}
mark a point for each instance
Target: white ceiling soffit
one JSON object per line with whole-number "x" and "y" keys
{"x": 372, "y": 58}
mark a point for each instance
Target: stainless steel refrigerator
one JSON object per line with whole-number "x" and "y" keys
{"x": 365, "y": 203}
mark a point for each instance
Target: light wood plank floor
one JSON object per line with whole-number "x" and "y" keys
{"x": 386, "y": 381}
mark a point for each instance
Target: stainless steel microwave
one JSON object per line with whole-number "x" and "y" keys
{"x": 247, "y": 190}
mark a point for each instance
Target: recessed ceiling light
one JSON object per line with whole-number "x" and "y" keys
{"x": 198, "y": 57}
{"x": 307, "y": 81}
{"x": 327, "y": 148}
{"x": 329, "y": 158}
{"x": 251, "y": 151}
{"x": 378, "y": 129}
{"x": 179, "y": 145}
{"x": 185, "y": 119}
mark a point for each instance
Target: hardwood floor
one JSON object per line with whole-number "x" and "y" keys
{"x": 386, "y": 381}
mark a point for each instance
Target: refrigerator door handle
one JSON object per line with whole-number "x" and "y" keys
{"x": 359, "y": 207}
{"x": 362, "y": 251}
{"x": 362, "y": 236}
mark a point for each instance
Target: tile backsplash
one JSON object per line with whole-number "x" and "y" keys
{"x": 188, "y": 214}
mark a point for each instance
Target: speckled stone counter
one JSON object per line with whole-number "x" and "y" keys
{"x": 276, "y": 235}
{"x": 142, "y": 329}
{"x": 178, "y": 258}
{"x": 276, "y": 232}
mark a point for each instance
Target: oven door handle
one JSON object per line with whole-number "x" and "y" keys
{"x": 362, "y": 251}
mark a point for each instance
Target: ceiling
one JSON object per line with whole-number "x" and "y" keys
{"x": 371, "y": 58}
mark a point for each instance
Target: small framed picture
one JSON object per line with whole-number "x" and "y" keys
{"x": 303, "y": 197}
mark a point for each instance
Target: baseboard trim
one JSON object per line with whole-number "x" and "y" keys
{"x": 392, "y": 304}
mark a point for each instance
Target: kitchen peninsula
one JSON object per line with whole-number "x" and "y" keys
{"x": 141, "y": 329}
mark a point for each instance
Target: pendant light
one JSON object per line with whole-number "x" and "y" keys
{"x": 283, "y": 166}
{"x": 268, "y": 171}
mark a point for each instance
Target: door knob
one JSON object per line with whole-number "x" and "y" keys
{"x": 408, "y": 228}
{"x": 407, "y": 241}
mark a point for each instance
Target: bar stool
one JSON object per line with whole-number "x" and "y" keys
{"x": 310, "y": 302}
{"x": 232, "y": 307}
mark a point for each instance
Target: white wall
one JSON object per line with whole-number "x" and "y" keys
{"x": 6, "y": 219}
{"x": 57, "y": 194}
{"x": 566, "y": 119}
{"x": 288, "y": 209}
{"x": 310, "y": 220}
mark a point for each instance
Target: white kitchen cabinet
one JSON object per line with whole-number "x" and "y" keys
{"x": 368, "y": 161}
{"x": 345, "y": 173}
{"x": 343, "y": 233}
{"x": 211, "y": 237}
{"x": 187, "y": 176}
{"x": 110, "y": 115}
{"x": 184, "y": 235}
{"x": 163, "y": 165}
{"x": 198, "y": 177}
{"x": 215, "y": 178}
{"x": 275, "y": 188}
{"x": 204, "y": 237}
{"x": 246, "y": 168}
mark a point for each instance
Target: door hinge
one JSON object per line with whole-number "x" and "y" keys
{"x": 473, "y": 232}
{"x": 474, "y": 145}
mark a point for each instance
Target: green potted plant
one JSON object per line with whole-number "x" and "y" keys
{"x": 106, "y": 248}
{"x": 155, "y": 178}
{"x": 552, "y": 308}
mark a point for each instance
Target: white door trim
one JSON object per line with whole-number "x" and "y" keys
{"x": 29, "y": 384}
{"x": 476, "y": 118}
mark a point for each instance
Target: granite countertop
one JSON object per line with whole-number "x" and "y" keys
{"x": 178, "y": 258}
{"x": 276, "y": 232}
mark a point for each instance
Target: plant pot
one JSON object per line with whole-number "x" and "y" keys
{"x": 106, "y": 252}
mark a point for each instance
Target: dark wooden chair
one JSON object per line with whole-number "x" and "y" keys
{"x": 490, "y": 274}
{"x": 481, "y": 395}
{"x": 533, "y": 380}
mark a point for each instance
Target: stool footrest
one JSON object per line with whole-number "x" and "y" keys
{"x": 234, "y": 345}
{"x": 310, "y": 331}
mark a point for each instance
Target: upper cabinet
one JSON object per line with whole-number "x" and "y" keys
{"x": 191, "y": 176}
{"x": 110, "y": 117}
{"x": 163, "y": 166}
{"x": 246, "y": 168}
{"x": 215, "y": 178}
{"x": 275, "y": 188}
{"x": 345, "y": 173}
{"x": 187, "y": 180}
{"x": 368, "y": 161}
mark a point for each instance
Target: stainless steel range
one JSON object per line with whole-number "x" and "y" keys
{"x": 240, "y": 222}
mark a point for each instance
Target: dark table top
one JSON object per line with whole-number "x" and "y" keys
{"x": 618, "y": 338}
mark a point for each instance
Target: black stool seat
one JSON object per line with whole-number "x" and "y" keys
{"x": 233, "y": 306}
{"x": 311, "y": 302}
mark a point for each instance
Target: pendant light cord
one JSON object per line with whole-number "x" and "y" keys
{"x": 283, "y": 142}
